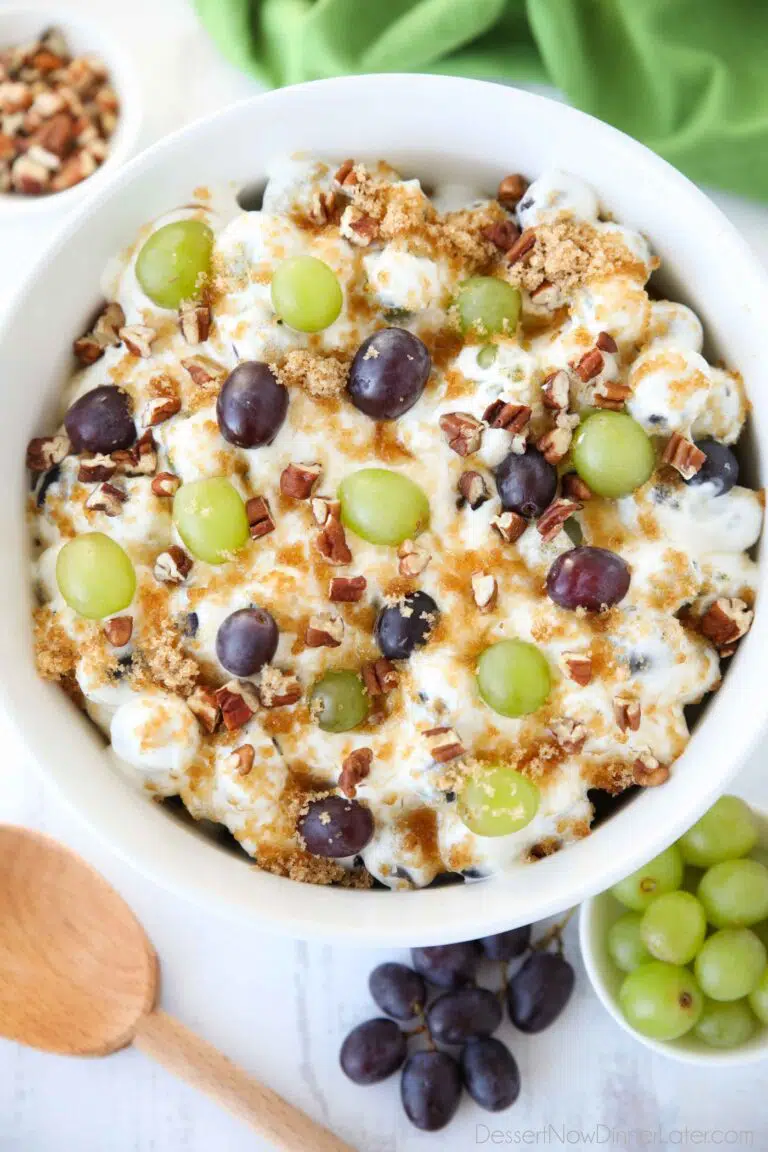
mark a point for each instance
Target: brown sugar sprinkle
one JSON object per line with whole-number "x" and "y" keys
{"x": 159, "y": 657}
{"x": 56, "y": 655}
{"x": 299, "y": 865}
{"x": 568, "y": 252}
{"x": 320, "y": 376}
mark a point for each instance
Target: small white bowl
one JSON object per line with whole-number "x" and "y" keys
{"x": 595, "y": 920}
{"x": 21, "y": 24}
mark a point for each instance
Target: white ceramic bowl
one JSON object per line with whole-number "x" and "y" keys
{"x": 22, "y": 23}
{"x": 595, "y": 920}
{"x": 441, "y": 128}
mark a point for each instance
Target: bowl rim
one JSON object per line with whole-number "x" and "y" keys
{"x": 123, "y": 75}
{"x": 445, "y": 914}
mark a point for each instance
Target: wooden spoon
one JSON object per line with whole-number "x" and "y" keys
{"x": 79, "y": 976}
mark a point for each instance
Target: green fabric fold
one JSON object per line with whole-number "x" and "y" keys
{"x": 687, "y": 77}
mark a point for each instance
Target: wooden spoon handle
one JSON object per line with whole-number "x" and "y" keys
{"x": 192, "y": 1059}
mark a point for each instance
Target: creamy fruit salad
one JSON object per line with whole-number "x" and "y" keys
{"x": 389, "y": 530}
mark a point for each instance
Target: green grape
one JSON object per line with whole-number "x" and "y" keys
{"x": 691, "y": 878}
{"x": 761, "y": 931}
{"x": 735, "y": 893}
{"x": 730, "y": 964}
{"x": 726, "y": 832}
{"x": 674, "y": 927}
{"x": 662, "y": 874}
{"x": 306, "y": 293}
{"x": 95, "y": 576}
{"x": 758, "y": 998}
{"x": 488, "y": 305}
{"x": 338, "y": 701}
{"x": 625, "y": 944}
{"x": 662, "y": 1001}
{"x": 174, "y": 263}
{"x": 486, "y": 357}
{"x": 612, "y": 453}
{"x": 498, "y": 801}
{"x": 382, "y": 506}
{"x": 513, "y": 677}
{"x": 726, "y": 1025}
{"x": 210, "y": 518}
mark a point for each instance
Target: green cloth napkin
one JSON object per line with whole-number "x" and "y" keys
{"x": 687, "y": 77}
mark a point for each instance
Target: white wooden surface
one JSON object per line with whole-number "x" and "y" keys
{"x": 280, "y": 1007}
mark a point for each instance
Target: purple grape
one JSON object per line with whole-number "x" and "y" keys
{"x": 430, "y": 1088}
{"x": 373, "y": 1051}
{"x": 398, "y": 990}
{"x": 336, "y": 827}
{"x": 490, "y": 1073}
{"x": 456, "y": 1017}
{"x": 507, "y": 945}
{"x": 526, "y": 484}
{"x": 388, "y": 373}
{"x": 721, "y": 468}
{"x": 447, "y": 965}
{"x": 402, "y": 627}
{"x": 591, "y": 578}
{"x": 246, "y": 641}
{"x": 539, "y": 991}
{"x": 252, "y": 405}
{"x": 101, "y": 421}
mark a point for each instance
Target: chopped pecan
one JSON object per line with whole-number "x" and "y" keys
{"x": 484, "y": 590}
{"x": 322, "y": 508}
{"x": 512, "y": 417}
{"x": 345, "y": 174}
{"x": 555, "y": 390}
{"x": 108, "y": 324}
{"x": 324, "y": 207}
{"x": 159, "y": 409}
{"x": 606, "y": 343}
{"x": 473, "y": 489}
{"x": 502, "y": 234}
{"x": 511, "y": 190}
{"x": 45, "y": 452}
{"x": 95, "y": 468}
{"x": 278, "y": 689}
{"x": 570, "y": 734}
{"x": 107, "y": 498}
{"x": 347, "y": 589}
{"x": 611, "y": 394}
{"x": 509, "y": 525}
{"x": 552, "y": 518}
{"x": 238, "y": 702}
{"x": 241, "y": 760}
{"x": 298, "y": 480}
{"x": 31, "y": 177}
{"x": 354, "y": 769}
{"x": 331, "y": 542}
{"x": 325, "y": 630}
{"x": 554, "y": 444}
{"x": 413, "y": 558}
{"x": 202, "y": 370}
{"x": 463, "y": 432}
{"x": 205, "y": 707}
{"x": 173, "y": 566}
{"x": 195, "y": 321}
{"x": 649, "y": 772}
{"x": 575, "y": 488}
{"x": 627, "y": 713}
{"x": 522, "y": 246}
{"x": 357, "y": 226}
{"x": 726, "y": 621}
{"x": 443, "y": 744}
{"x": 75, "y": 169}
{"x": 141, "y": 460}
{"x": 260, "y": 522}
{"x": 590, "y": 365}
{"x": 683, "y": 455}
{"x": 165, "y": 484}
{"x": 118, "y": 630}
{"x": 577, "y": 667}
{"x": 138, "y": 339}
{"x": 87, "y": 349}
{"x": 379, "y": 677}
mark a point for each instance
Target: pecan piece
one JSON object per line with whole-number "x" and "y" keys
{"x": 627, "y": 713}
{"x": 141, "y": 460}
{"x": 195, "y": 321}
{"x": 118, "y": 630}
{"x": 575, "y": 488}
{"x": 570, "y": 734}
{"x": 463, "y": 432}
{"x": 555, "y": 390}
{"x": 173, "y": 566}
{"x": 683, "y": 456}
{"x": 503, "y": 234}
{"x": 241, "y": 760}
{"x": 325, "y": 630}
{"x": 354, "y": 769}
{"x": 577, "y": 667}
{"x": 165, "y": 484}
{"x": 324, "y": 207}
{"x": 726, "y": 621}
{"x": 205, "y": 708}
{"x": 95, "y": 468}
{"x": 522, "y": 246}
{"x": 473, "y": 489}
{"x": 108, "y": 324}
{"x": 511, "y": 190}
{"x": 484, "y": 590}
{"x": 554, "y": 444}
{"x": 322, "y": 508}
{"x": 648, "y": 772}
{"x": 443, "y": 744}
{"x": 509, "y": 525}
{"x": 278, "y": 689}
{"x": 606, "y": 343}
{"x": 107, "y": 498}
{"x": 347, "y": 589}
{"x": 512, "y": 417}
{"x": 379, "y": 677}
{"x": 590, "y": 365}
{"x": 331, "y": 542}
{"x": 552, "y": 518}
{"x": 260, "y": 522}
{"x": 159, "y": 409}
{"x": 357, "y": 226}
{"x": 45, "y": 452}
{"x": 413, "y": 558}
{"x": 611, "y": 394}
{"x": 298, "y": 480}
{"x": 238, "y": 702}
{"x": 138, "y": 339}
{"x": 202, "y": 370}
{"x": 345, "y": 174}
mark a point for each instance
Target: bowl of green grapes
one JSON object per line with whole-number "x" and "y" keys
{"x": 678, "y": 950}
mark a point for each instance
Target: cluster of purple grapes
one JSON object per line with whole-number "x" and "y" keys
{"x": 441, "y": 1000}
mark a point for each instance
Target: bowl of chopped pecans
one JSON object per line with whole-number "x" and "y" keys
{"x": 383, "y": 517}
{"x": 69, "y": 108}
